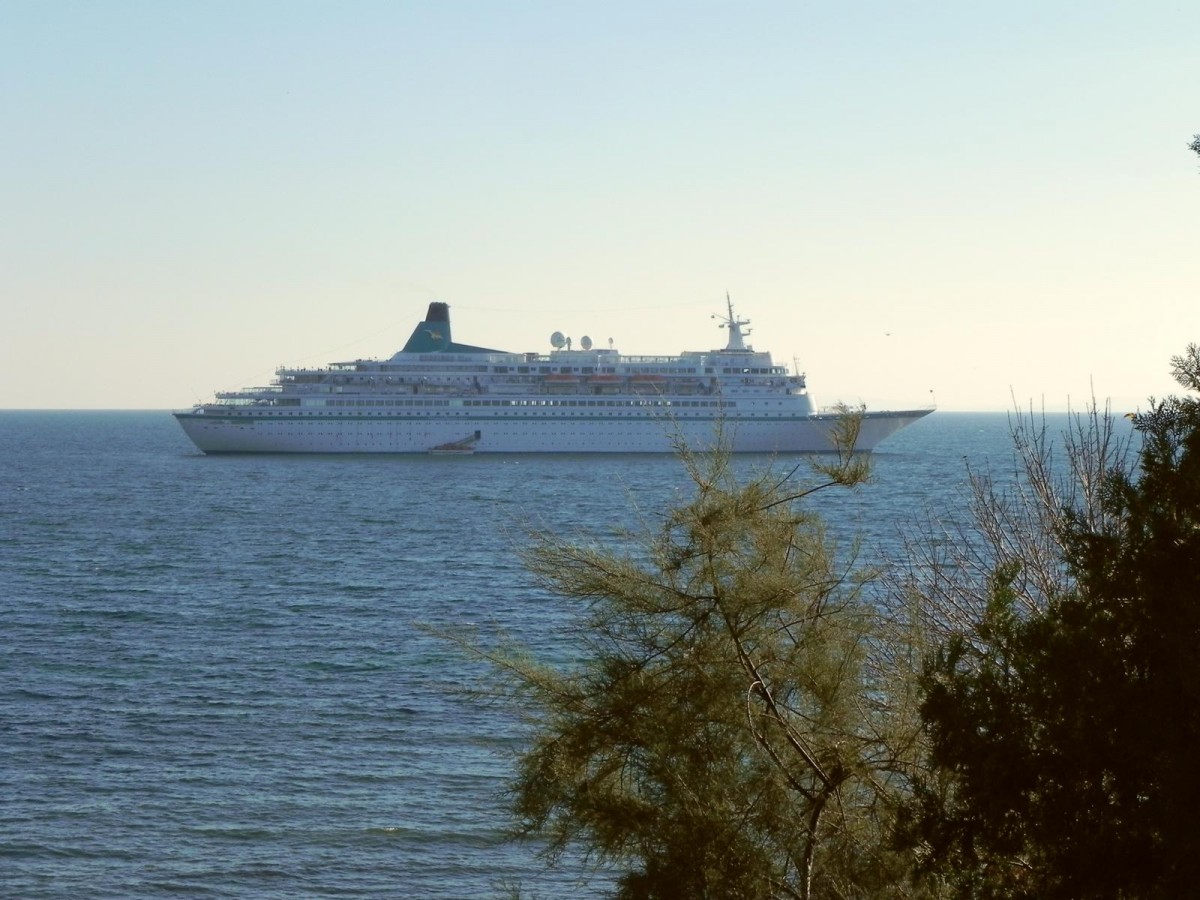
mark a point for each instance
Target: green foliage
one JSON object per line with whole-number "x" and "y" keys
{"x": 731, "y": 729}
{"x": 1064, "y": 735}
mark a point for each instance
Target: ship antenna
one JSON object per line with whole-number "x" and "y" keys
{"x": 734, "y": 324}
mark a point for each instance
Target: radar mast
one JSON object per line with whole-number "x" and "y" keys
{"x": 734, "y": 324}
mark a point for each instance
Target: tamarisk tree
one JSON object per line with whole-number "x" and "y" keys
{"x": 731, "y": 728}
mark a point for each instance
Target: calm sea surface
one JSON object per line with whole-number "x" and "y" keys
{"x": 214, "y": 675}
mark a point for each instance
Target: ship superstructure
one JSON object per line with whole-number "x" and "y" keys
{"x": 436, "y": 395}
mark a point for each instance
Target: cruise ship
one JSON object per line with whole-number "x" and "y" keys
{"x": 440, "y": 396}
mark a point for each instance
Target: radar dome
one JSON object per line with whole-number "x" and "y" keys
{"x": 585, "y": 342}
{"x": 557, "y": 340}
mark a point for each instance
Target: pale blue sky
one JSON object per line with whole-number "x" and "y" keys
{"x": 982, "y": 200}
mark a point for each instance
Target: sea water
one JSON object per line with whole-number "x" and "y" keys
{"x": 226, "y": 676}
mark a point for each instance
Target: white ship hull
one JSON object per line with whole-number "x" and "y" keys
{"x": 547, "y": 433}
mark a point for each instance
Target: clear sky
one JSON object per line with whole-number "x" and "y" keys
{"x": 983, "y": 200}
